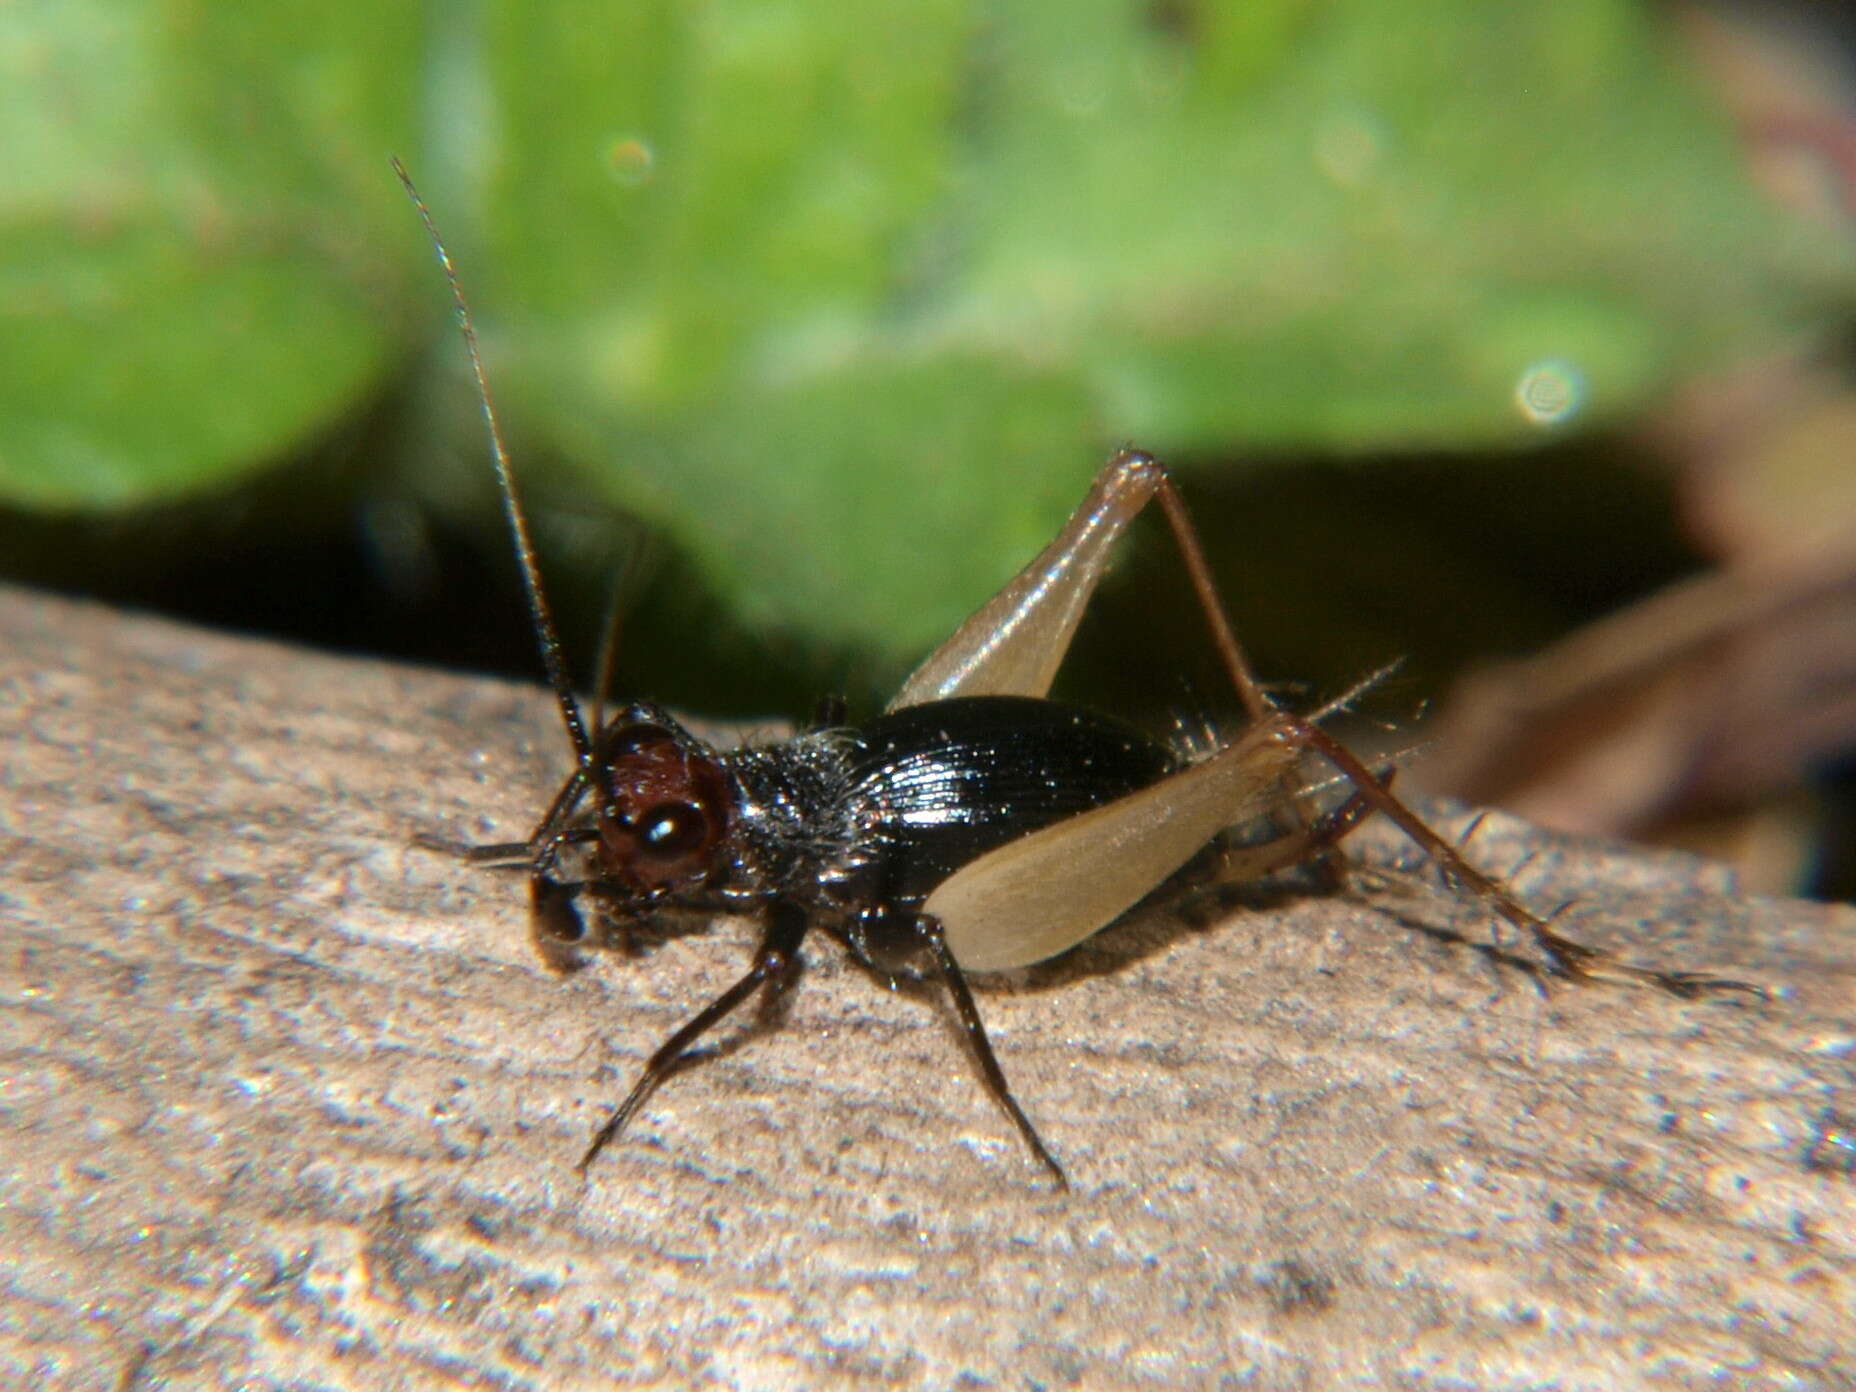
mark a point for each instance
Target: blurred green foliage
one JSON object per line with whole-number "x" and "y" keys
{"x": 853, "y": 306}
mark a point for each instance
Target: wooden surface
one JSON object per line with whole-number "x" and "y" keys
{"x": 288, "y": 1102}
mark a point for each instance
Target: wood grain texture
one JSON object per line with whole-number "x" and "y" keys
{"x": 288, "y": 1103}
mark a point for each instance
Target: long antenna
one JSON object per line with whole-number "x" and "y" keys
{"x": 540, "y": 615}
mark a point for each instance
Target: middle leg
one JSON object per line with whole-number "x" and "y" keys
{"x": 990, "y": 1073}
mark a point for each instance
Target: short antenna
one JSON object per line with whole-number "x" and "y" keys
{"x": 540, "y": 615}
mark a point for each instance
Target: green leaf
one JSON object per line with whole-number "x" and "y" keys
{"x": 853, "y": 306}
{"x": 192, "y": 209}
{"x": 856, "y": 308}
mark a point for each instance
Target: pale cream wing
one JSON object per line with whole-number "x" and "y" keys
{"x": 1033, "y": 897}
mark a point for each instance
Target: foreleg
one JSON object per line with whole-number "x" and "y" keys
{"x": 773, "y": 962}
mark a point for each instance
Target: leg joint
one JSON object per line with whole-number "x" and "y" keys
{"x": 1134, "y": 471}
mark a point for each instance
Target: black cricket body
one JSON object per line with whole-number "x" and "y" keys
{"x": 941, "y": 784}
{"x": 851, "y": 825}
{"x": 974, "y": 825}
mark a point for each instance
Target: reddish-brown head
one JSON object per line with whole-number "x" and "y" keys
{"x": 664, "y": 806}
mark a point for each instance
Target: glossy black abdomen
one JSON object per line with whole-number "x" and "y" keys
{"x": 940, "y": 784}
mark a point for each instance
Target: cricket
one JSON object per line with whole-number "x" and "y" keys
{"x": 974, "y": 825}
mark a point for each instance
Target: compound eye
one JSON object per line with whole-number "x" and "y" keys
{"x": 671, "y": 829}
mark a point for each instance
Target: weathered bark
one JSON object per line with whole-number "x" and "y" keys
{"x": 289, "y": 1102}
